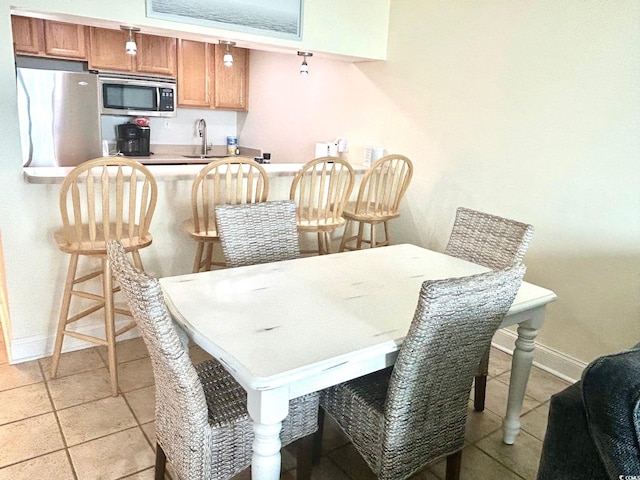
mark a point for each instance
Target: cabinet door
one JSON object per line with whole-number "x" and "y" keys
{"x": 65, "y": 40}
{"x": 194, "y": 70}
{"x": 28, "y": 35}
{"x": 156, "y": 54}
{"x": 106, "y": 50}
{"x": 231, "y": 83}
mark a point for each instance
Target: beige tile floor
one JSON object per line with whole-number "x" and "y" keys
{"x": 71, "y": 428}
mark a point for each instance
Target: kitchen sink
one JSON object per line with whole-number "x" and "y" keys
{"x": 204, "y": 156}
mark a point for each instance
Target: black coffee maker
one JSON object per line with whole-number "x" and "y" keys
{"x": 133, "y": 140}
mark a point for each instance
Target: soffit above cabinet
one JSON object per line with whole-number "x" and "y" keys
{"x": 344, "y": 31}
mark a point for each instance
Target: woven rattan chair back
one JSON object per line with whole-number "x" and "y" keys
{"x": 378, "y": 201}
{"x": 201, "y": 421}
{"x": 454, "y": 322}
{"x": 181, "y": 422}
{"x": 496, "y": 243}
{"x": 100, "y": 200}
{"x": 402, "y": 419}
{"x": 106, "y": 198}
{"x": 321, "y": 189}
{"x": 488, "y": 240}
{"x": 255, "y": 233}
{"x": 227, "y": 181}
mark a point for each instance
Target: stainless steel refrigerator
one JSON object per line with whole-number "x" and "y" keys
{"x": 59, "y": 117}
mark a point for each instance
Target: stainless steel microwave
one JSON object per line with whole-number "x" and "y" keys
{"x": 136, "y": 95}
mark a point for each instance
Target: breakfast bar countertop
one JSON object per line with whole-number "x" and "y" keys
{"x": 55, "y": 175}
{"x": 174, "y": 162}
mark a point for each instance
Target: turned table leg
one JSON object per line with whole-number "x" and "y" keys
{"x": 520, "y": 369}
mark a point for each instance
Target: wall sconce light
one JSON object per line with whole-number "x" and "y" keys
{"x": 130, "y": 47}
{"x": 304, "y": 68}
{"x": 228, "y": 58}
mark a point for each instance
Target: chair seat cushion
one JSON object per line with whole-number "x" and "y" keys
{"x": 228, "y": 416}
{"x": 369, "y": 394}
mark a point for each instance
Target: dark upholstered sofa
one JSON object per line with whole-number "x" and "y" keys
{"x": 594, "y": 425}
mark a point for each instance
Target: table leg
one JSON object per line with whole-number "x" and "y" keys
{"x": 267, "y": 409}
{"x": 265, "y": 462}
{"x": 520, "y": 369}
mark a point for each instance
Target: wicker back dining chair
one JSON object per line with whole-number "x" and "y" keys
{"x": 230, "y": 180}
{"x": 321, "y": 189}
{"x": 379, "y": 196}
{"x": 201, "y": 420}
{"x": 495, "y": 243}
{"x": 100, "y": 200}
{"x": 402, "y": 418}
{"x": 254, "y": 233}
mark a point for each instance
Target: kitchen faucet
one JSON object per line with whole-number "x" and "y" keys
{"x": 202, "y": 131}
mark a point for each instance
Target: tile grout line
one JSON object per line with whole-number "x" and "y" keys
{"x": 55, "y": 413}
{"x": 126, "y": 401}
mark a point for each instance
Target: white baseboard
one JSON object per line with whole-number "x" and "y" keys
{"x": 40, "y": 346}
{"x": 545, "y": 358}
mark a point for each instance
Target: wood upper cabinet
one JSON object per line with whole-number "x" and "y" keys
{"x": 65, "y": 40}
{"x": 28, "y": 35}
{"x": 34, "y": 36}
{"x": 205, "y": 82}
{"x": 106, "y": 50}
{"x": 230, "y": 84}
{"x": 155, "y": 54}
{"x": 194, "y": 72}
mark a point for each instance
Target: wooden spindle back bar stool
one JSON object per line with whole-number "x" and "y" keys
{"x": 102, "y": 199}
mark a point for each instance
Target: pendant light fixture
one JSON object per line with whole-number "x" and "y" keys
{"x": 228, "y": 58}
{"x": 130, "y": 47}
{"x": 304, "y": 68}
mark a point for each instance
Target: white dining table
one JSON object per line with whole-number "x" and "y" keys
{"x": 289, "y": 328}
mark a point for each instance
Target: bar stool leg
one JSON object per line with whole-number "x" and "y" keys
{"x": 320, "y": 244}
{"x": 198, "y": 261}
{"x": 64, "y": 313}
{"x": 137, "y": 260}
{"x": 360, "y": 234}
{"x": 209, "y": 256}
{"x": 373, "y": 236}
{"x": 386, "y": 233}
{"x": 109, "y": 321}
{"x": 345, "y": 235}
{"x": 327, "y": 242}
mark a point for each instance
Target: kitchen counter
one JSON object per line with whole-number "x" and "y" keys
{"x": 169, "y": 171}
{"x": 175, "y": 162}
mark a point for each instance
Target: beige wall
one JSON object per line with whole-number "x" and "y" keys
{"x": 529, "y": 110}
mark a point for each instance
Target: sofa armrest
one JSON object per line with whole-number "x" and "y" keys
{"x": 611, "y": 397}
